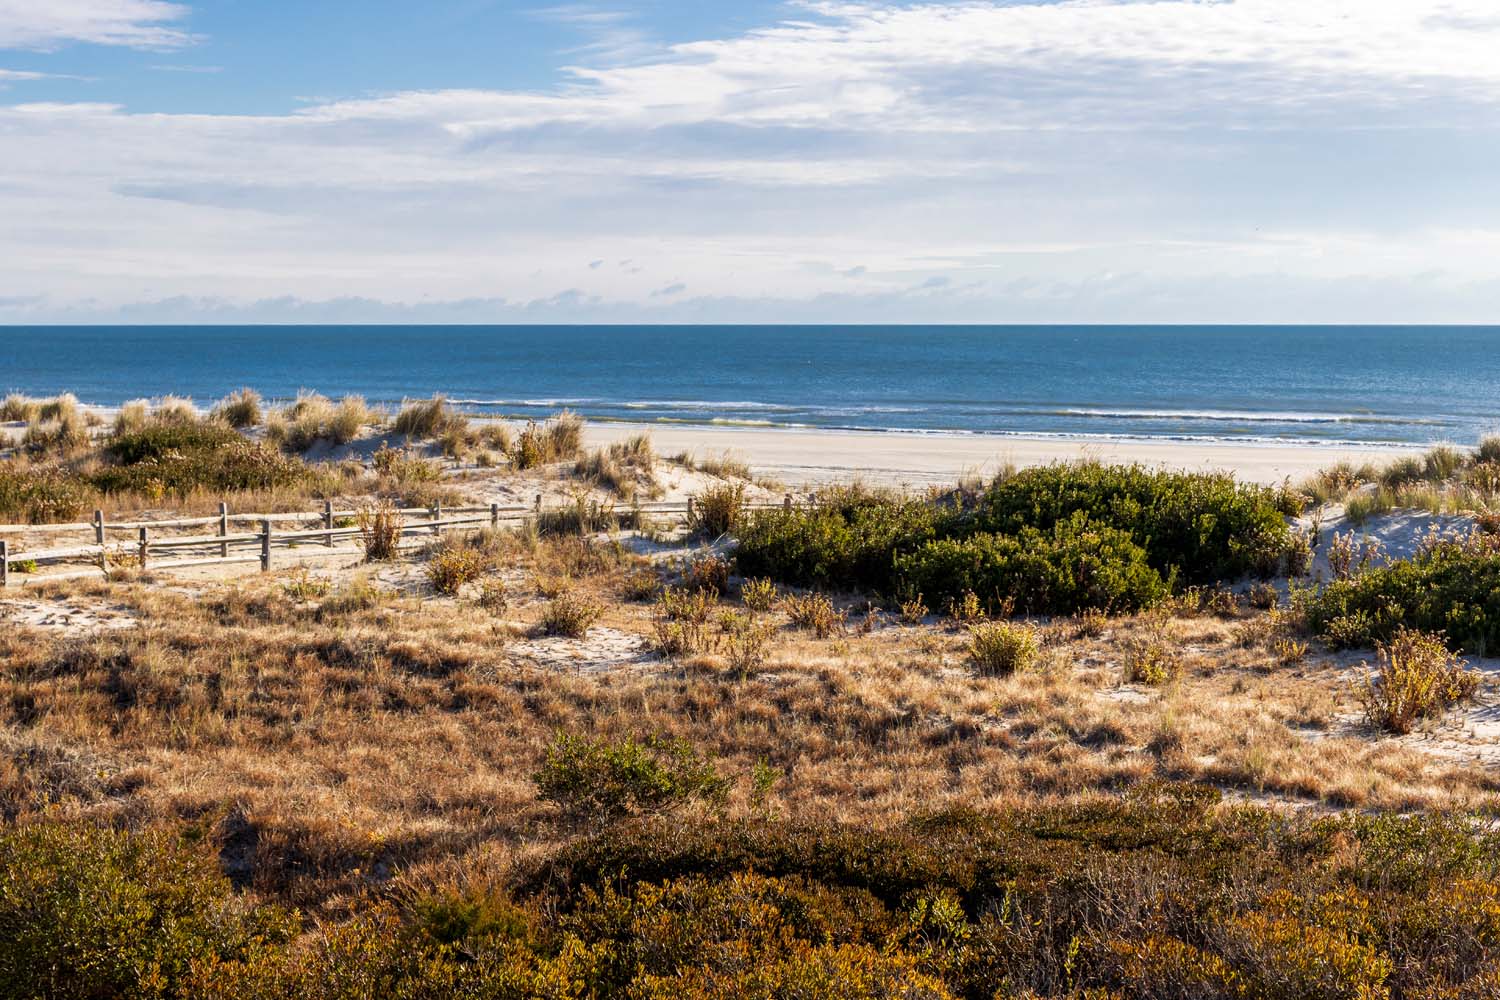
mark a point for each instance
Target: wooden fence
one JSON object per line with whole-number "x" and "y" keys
{"x": 145, "y": 546}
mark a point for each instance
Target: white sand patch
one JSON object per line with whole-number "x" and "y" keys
{"x": 1398, "y": 534}
{"x": 65, "y": 616}
{"x": 601, "y": 650}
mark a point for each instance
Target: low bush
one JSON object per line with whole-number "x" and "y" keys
{"x": 1158, "y": 893}
{"x": 1058, "y": 538}
{"x": 1454, "y": 588}
{"x": 814, "y": 612}
{"x": 570, "y": 614}
{"x": 999, "y": 649}
{"x": 1072, "y": 566}
{"x": 758, "y": 594}
{"x": 1198, "y": 527}
{"x": 1418, "y": 679}
{"x": 604, "y": 780}
{"x": 39, "y": 494}
{"x": 179, "y": 459}
{"x": 87, "y": 913}
{"x": 453, "y": 565}
{"x": 849, "y": 540}
{"x": 707, "y": 572}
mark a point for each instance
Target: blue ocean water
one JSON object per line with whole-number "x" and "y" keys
{"x": 1273, "y": 384}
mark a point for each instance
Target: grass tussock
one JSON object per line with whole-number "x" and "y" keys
{"x": 426, "y": 419}
{"x": 626, "y": 468}
{"x": 722, "y": 466}
{"x": 1443, "y": 480}
{"x": 379, "y": 530}
{"x": 312, "y": 419}
{"x": 241, "y": 409}
{"x": 559, "y": 439}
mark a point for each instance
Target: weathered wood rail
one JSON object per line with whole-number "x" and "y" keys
{"x": 144, "y": 543}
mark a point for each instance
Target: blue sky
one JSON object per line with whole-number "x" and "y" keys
{"x": 961, "y": 161}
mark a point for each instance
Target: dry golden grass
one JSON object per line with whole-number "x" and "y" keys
{"x": 329, "y": 737}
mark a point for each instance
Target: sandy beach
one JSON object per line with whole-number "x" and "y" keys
{"x": 798, "y": 457}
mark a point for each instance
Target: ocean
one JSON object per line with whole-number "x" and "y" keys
{"x": 1373, "y": 385}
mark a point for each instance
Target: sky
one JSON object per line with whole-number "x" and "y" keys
{"x": 963, "y": 161}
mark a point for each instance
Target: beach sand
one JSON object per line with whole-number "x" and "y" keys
{"x": 804, "y": 458}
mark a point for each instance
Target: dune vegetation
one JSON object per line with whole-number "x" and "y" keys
{"x": 1082, "y": 732}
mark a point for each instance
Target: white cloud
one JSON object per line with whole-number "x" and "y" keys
{"x": 965, "y": 158}
{"x": 47, "y": 24}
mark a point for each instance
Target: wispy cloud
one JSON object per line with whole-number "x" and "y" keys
{"x": 47, "y": 24}
{"x": 610, "y": 35}
{"x": 982, "y": 160}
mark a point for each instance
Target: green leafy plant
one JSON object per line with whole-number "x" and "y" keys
{"x": 602, "y": 780}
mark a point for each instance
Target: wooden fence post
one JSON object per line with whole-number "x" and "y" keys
{"x": 328, "y": 522}
{"x": 4, "y": 564}
{"x": 690, "y": 510}
{"x": 538, "y": 503}
{"x": 145, "y": 545}
{"x": 223, "y": 529}
{"x": 265, "y": 546}
{"x": 494, "y": 515}
{"x": 437, "y": 515}
{"x": 99, "y": 540}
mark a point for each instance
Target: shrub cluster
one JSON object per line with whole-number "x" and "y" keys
{"x": 178, "y": 458}
{"x": 1161, "y": 894}
{"x": 1061, "y": 538}
{"x": 1070, "y": 566}
{"x": 1453, "y": 588}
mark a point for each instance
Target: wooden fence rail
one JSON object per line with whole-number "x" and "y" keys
{"x": 145, "y": 542}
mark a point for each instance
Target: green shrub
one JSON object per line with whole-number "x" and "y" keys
{"x": 1187, "y": 527}
{"x": 1201, "y": 527}
{"x": 1453, "y": 589}
{"x": 604, "y": 780}
{"x": 1072, "y": 566}
{"x": 999, "y": 649}
{"x": 849, "y": 540}
{"x": 88, "y": 913}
